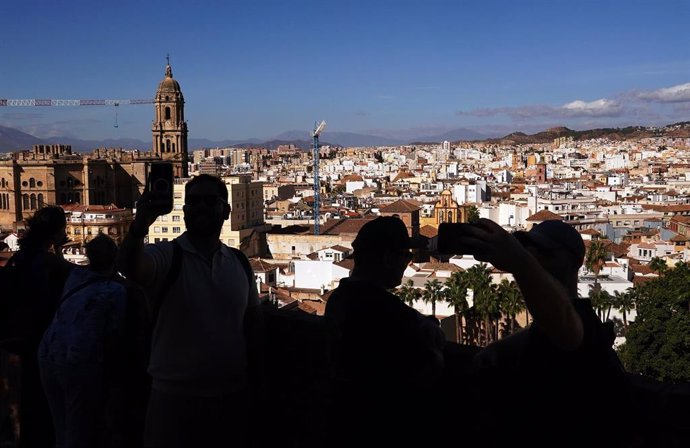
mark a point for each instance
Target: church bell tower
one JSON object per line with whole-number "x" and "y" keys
{"x": 169, "y": 126}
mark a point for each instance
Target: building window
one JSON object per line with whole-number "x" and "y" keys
{"x": 32, "y": 183}
{"x": 157, "y": 229}
{"x": 40, "y": 200}
{"x": 164, "y": 229}
{"x": 33, "y": 202}
{"x": 167, "y": 113}
{"x": 176, "y": 230}
{"x": 176, "y": 218}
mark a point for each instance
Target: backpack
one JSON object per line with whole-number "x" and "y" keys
{"x": 15, "y": 311}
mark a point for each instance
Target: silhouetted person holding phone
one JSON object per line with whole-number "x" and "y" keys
{"x": 207, "y": 336}
{"x": 557, "y": 383}
{"x": 386, "y": 358}
{"x": 39, "y": 273}
{"x": 83, "y": 347}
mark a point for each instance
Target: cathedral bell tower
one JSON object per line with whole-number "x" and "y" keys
{"x": 169, "y": 127}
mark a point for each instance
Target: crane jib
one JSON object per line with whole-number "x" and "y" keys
{"x": 4, "y": 102}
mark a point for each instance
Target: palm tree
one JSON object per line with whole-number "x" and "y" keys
{"x": 658, "y": 265}
{"x": 433, "y": 292}
{"x": 602, "y": 302}
{"x": 408, "y": 293}
{"x": 479, "y": 280}
{"x": 511, "y": 302}
{"x": 456, "y": 295}
{"x": 472, "y": 214}
{"x": 594, "y": 260}
{"x": 626, "y": 302}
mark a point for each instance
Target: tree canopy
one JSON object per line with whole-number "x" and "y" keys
{"x": 658, "y": 342}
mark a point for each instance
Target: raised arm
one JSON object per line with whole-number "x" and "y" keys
{"x": 132, "y": 261}
{"x": 546, "y": 299}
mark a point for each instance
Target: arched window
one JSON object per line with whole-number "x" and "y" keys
{"x": 25, "y": 201}
{"x": 33, "y": 201}
{"x": 167, "y": 113}
{"x": 450, "y": 216}
{"x": 167, "y": 145}
{"x": 32, "y": 183}
{"x": 41, "y": 204}
{"x": 173, "y": 147}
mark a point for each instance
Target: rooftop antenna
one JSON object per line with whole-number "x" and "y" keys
{"x": 318, "y": 129}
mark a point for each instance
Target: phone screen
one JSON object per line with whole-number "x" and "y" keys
{"x": 448, "y": 238}
{"x": 160, "y": 184}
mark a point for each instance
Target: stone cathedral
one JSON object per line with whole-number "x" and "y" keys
{"x": 54, "y": 175}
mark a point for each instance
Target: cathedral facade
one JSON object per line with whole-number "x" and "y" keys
{"x": 54, "y": 175}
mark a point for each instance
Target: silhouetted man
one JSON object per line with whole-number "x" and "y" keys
{"x": 537, "y": 383}
{"x": 209, "y": 326}
{"x": 386, "y": 358}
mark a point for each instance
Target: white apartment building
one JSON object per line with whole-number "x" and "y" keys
{"x": 471, "y": 193}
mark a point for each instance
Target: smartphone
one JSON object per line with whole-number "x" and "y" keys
{"x": 160, "y": 185}
{"x": 449, "y": 238}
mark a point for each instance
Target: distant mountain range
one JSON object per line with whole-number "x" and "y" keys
{"x": 14, "y": 140}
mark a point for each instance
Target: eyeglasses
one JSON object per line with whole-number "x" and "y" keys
{"x": 207, "y": 199}
{"x": 404, "y": 253}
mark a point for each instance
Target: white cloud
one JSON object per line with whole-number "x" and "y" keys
{"x": 598, "y": 108}
{"x": 674, "y": 94}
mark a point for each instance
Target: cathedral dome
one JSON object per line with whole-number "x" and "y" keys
{"x": 168, "y": 84}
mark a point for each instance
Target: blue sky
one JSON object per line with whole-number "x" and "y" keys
{"x": 394, "y": 68}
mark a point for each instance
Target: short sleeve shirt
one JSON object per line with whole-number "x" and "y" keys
{"x": 198, "y": 345}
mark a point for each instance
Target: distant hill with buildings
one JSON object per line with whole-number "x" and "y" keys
{"x": 15, "y": 140}
{"x": 680, "y": 130}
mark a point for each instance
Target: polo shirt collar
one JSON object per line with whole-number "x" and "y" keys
{"x": 186, "y": 245}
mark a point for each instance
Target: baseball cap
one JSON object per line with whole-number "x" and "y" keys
{"x": 385, "y": 233}
{"x": 555, "y": 235}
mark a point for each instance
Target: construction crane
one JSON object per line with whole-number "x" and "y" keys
{"x": 318, "y": 129}
{"x": 54, "y": 102}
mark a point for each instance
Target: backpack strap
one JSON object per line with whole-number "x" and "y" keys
{"x": 171, "y": 276}
{"x": 78, "y": 288}
{"x": 244, "y": 261}
{"x": 174, "y": 272}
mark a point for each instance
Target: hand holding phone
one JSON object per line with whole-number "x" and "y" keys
{"x": 485, "y": 240}
{"x": 451, "y": 238}
{"x": 157, "y": 199}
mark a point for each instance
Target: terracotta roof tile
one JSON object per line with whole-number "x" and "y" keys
{"x": 258, "y": 265}
{"x": 436, "y": 266}
{"x": 428, "y": 231}
{"x": 344, "y": 226}
{"x": 402, "y": 206}
{"x": 544, "y": 215}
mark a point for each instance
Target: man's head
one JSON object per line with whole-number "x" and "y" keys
{"x": 206, "y": 205}
{"x": 383, "y": 245}
{"x": 557, "y": 246}
{"x": 101, "y": 252}
{"x": 46, "y": 226}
